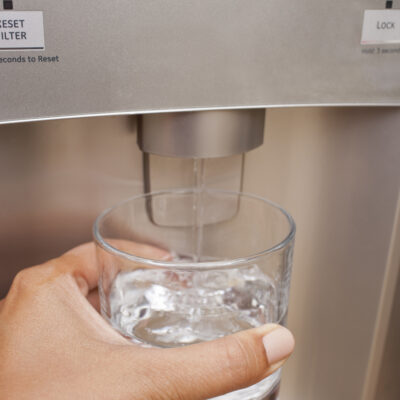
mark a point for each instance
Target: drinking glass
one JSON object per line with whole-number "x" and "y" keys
{"x": 226, "y": 267}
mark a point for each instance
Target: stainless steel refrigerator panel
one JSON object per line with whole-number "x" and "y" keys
{"x": 132, "y": 56}
{"x": 337, "y": 171}
{"x": 56, "y": 176}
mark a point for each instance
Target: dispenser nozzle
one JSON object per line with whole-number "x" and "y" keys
{"x": 201, "y": 134}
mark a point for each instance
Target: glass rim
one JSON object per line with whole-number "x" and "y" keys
{"x": 224, "y": 264}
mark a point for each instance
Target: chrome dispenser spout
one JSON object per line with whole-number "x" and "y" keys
{"x": 200, "y": 149}
{"x": 201, "y": 134}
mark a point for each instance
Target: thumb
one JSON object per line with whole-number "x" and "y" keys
{"x": 224, "y": 365}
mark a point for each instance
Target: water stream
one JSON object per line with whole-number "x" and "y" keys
{"x": 198, "y": 207}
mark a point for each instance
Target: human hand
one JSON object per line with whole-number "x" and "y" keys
{"x": 55, "y": 345}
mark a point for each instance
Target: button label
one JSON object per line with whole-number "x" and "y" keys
{"x": 385, "y": 25}
{"x": 381, "y": 27}
{"x": 21, "y": 30}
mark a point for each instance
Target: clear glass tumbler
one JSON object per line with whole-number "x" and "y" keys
{"x": 226, "y": 267}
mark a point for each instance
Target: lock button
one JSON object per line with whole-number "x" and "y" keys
{"x": 381, "y": 27}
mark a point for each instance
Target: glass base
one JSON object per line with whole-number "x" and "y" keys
{"x": 267, "y": 389}
{"x": 273, "y": 395}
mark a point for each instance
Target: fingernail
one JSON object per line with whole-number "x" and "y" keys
{"x": 278, "y": 344}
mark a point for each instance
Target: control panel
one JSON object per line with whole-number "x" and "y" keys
{"x": 75, "y": 58}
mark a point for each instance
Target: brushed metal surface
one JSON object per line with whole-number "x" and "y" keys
{"x": 55, "y": 178}
{"x": 201, "y": 134}
{"x": 381, "y": 380}
{"x": 336, "y": 170}
{"x": 129, "y": 56}
{"x": 388, "y": 360}
{"x": 388, "y": 386}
